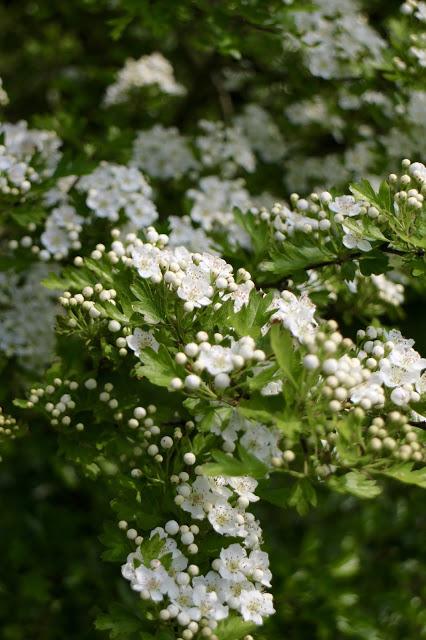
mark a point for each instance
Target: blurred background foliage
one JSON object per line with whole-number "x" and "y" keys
{"x": 349, "y": 569}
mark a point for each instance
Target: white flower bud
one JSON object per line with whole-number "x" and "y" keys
{"x": 311, "y": 362}
{"x": 192, "y": 382}
{"x": 189, "y": 458}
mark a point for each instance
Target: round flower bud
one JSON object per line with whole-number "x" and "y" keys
{"x": 176, "y": 384}
{"x": 187, "y": 538}
{"x": 181, "y": 358}
{"x": 114, "y": 326}
{"x": 311, "y": 362}
{"x": 172, "y": 527}
{"x": 289, "y": 455}
{"x": 132, "y": 534}
{"x": 191, "y": 349}
{"x": 189, "y": 458}
{"x": 192, "y": 382}
{"x": 166, "y": 442}
{"x": 139, "y": 413}
{"x": 222, "y": 381}
{"x": 152, "y": 450}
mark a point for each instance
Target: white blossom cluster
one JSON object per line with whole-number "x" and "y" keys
{"x": 216, "y": 359}
{"x": 417, "y": 10}
{"x": 335, "y": 37}
{"x": 149, "y": 70}
{"x": 113, "y": 188}
{"x": 22, "y": 297}
{"x": 224, "y": 147}
{"x": 237, "y": 578}
{"x": 183, "y": 233}
{"x": 4, "y": 98}
{"x": 63, "y": 225}
{"x": 27, "y": 156}
{"x": 321, "y": 215}
{"x": 261, "y": 441}
{"x": 8, "y": 427}
{"x": 388, "y": 290}
{"x": 199, "y": 279}
{"x": 262, "y": 133}
{"x": 163, "y": 152}
{"x": 213, "y": 202}
{"x": 295, "y": 314}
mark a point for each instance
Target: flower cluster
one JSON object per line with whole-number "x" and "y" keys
{"x": 216, "y": 360}
{"x": 263, "y": 134}
{"x": 27, "y": 156}
{"x": 149, "y": 70}
{"x": 163, "y": 152}
{"x": 23, "y": 297}
{"x": 213, "y": 202}
{"x": 336, "y": 36}
{"x": 112, "y": 188}
{"x": 224, "y": 147}
{"x": 198, "y": 279}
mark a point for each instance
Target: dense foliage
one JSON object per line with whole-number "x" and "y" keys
{"x": 213, "y": 278}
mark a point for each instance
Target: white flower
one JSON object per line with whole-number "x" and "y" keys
{"x": 4, "y": 99}
{"x": 216, "y": 360}
{"x": 233, "y": 562}
{"x": 140, "y": 340}
{"x": 183, "y": 233}
{"x": 202, "y": 496}
{"x": 128, "y": 570}
{"x": 400, "y": 396}
{"x": 255, "y": 605}
{"x": 226, "y": 520}
{"x": 208, "y": 603}
{"x": 354, "y": 239}
{"x": 259, "y": 562}
{"x": 156, "y": 582}
{"x": 146, "y": 259}
{"x": 141, "y": 211}
{"x": 244, "y": 486}
{"x": 184, "y": 601}
{"x": 56, "y": 240}
{"x": 296, "y": 314}
{"x": 195, "y": 287}
{"x": 261, "y": 442}
{"x": 346, "y": 206}
{"x": 241, "y": 295}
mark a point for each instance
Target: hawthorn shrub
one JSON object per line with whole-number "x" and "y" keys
{"x": 213, "y": 235}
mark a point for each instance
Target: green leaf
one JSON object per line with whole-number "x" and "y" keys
{"x": 119, "y": 622}
{"x": 159, "y": 368}
{"x": 251, "y": 318}
{"x": 118, "y": 547}
{"x": 356, "y": 484}
{"x": 376, "y": 263}
{"x": 233, "y": 628}
{"x": 303, "y": 496}
{"x": 148, "y": 304}
{"x": 227, "y": 465}
{"x": 283, "y": 348}
{"x": 290, "y": 258}
{"x": 404, "y": 473}
{"x": 364, "y": 190}
{"x": 151, "y": 549}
